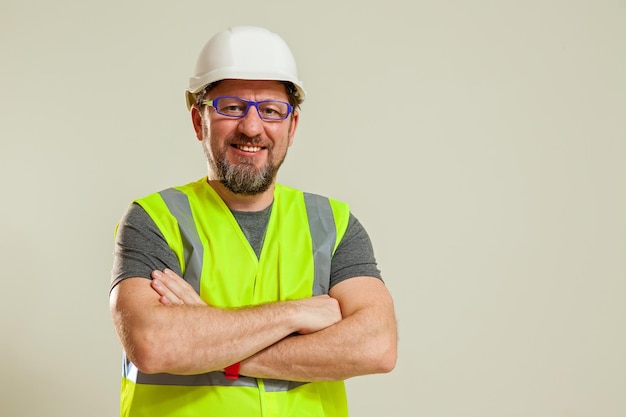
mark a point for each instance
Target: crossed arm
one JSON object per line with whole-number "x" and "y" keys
{"x": 164, "y": 326}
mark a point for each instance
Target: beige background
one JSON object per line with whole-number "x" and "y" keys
{"x": 482, "y": 143}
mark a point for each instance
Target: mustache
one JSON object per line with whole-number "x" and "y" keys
{"x": 240, "y": 138}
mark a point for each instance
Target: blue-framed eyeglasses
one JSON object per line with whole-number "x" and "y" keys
{"x": 237, "y": 107}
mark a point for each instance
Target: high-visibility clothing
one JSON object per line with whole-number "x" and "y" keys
{"x": 216, "y": 259}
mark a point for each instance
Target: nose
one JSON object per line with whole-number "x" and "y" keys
{"x": 251, "y": 124}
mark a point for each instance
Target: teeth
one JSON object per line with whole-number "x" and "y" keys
{"x": 249, "y": 148}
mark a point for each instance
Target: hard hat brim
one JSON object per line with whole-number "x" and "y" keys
{"x": 190, "y": 94}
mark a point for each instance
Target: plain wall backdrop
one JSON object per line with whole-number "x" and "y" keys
{"x": 482, "y": 144}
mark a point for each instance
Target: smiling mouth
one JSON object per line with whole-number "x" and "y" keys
{"x": 246, "y": 148}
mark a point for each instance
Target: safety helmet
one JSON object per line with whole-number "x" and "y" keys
{"x": 243, "y": 52}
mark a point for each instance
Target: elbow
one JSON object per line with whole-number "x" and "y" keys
{"x": 146, "y": 363}
{"x": 147, "y": 357}
{"x": 385, "y": 356}
{"x": 385, "y": 360}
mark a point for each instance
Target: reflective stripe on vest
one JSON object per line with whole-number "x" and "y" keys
{"x": 323, "y": 233}
{"x": 215, "y": 378}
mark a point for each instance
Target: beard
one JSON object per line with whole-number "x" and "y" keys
{"x": 242, "y": 177}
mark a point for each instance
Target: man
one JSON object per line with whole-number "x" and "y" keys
{"x": 280, "y": 298}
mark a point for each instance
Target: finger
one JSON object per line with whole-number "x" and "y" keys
{"x": 176, "y": 284}
{"x": 176, "y": 289}
{"x": 167, "y": 296}
{"x": 165, "y": 301}
{"x": 181, "y": 288}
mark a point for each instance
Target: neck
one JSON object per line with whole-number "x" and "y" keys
{"x": 240, "y": 202}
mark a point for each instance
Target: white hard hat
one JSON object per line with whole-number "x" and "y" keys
{"x": 243, "y": 52}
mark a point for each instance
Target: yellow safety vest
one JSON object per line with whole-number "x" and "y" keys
{"x": 217, "y": 260}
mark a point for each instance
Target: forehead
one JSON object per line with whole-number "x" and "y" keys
{"x": 250, "y": 89}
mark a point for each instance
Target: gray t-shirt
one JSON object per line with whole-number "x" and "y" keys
{"x": 140, "y": 247}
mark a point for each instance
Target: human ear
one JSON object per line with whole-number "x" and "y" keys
{"x": 293, "y": 126}
{"x": 196, "y": 119}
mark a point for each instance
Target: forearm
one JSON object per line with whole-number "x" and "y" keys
{"x": 191, "y": 339}
{"x": 194, "y": 340}
{"x": 164, "y": 326}
{"x": 362, "y": 343}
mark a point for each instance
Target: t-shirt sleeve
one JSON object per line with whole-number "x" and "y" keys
{"x": 140, "y": 248}
{"x": 354, "y": 256}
